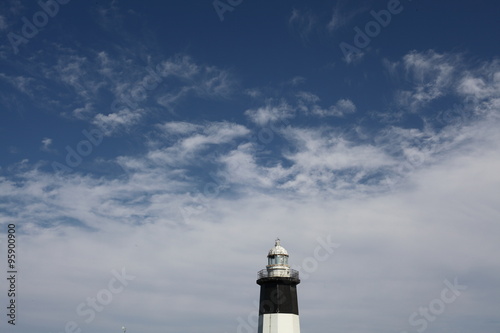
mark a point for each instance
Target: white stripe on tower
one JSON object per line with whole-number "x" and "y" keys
{"x": 278, "y": 306}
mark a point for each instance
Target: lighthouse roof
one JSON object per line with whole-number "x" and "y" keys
{"x": 277, "y": 249}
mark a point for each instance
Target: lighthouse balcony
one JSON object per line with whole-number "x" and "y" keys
{"x": 288, "y": 273}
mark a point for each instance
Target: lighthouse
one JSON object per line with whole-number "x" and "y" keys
{"x": 278, "y": 306}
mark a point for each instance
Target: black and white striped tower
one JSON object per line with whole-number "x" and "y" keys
{"x": 278, "y": 306}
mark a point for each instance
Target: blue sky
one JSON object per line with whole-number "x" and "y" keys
{"x": 152, "y": 152}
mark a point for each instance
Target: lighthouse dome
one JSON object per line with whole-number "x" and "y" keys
{"x": 277, "y": 249}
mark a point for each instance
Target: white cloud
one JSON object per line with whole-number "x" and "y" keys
{"x": 320, "y": 149}
{"x": 309, "y": 104}
{"x": 74, "y": 83}
{"x": 336, "y": 21}
{"x": 77, "y": 73}
{"x": 302, "y": 23}
{"x": 113, "y": 122}
{"x": 341, "y": 17}
{"x": 214, "y": 133}
{"x": 325, "y": 161}
{"x": 241, "y": 168}
{"x": 191, "y": 142}
{"x": 431, "y": 74}
{"x": 354, "y": 57}
{"x": 171, "y": 99}
{"x": 308, "y": 97}
{"x": 23, "y": 83}
{"x": 340, "y": 109}
{"x": 46, "y": 145}
{"x": 198, "y": 80}
{"x": 270, "y": 113}
{"x": 216, "y": 83}
{"x": 396, "y": 249}
{"x": 3, "y": 24}
{"x": 181, "y": 66}
{"x": 297, "y": 80}
{"x": 82, "y": 112}
{"x": 254, "y": 93}
{"x": 481, "y": 84}
{"x": 178, "y": 127}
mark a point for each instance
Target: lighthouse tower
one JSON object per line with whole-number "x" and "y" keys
{"x": 278, "y": 306}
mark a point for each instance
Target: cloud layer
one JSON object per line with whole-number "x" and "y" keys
{"x": 382, "y": 200}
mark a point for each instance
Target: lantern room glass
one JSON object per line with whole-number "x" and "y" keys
{"x": 277, "y": 260}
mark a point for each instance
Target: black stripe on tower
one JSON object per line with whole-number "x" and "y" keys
{"x": 278, "y": 295}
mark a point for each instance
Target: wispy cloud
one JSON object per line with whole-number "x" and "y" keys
{"x": 303, "y": 23}
{"x": 46, "y": 145}
{"x": 3, "y": 23}
{"x": 24, "y": 84}
{"x": 309, "y": 104}
{"x": 325, "y": 160}
{"x": 432, "y": 75}
{"x": 78, "y": 80}
{"x": 83, "y": 112}
{"x": 118, "y": 121}
{"x": 270, "y": 113}
{"x": 242, "y": 169}
{"x": 195, "y": 80}
{"x": 342, "y": 16}
{"x": 186, "y": 143}
{"x": 481, "y": 84}
{"x": 303, "y": 102}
